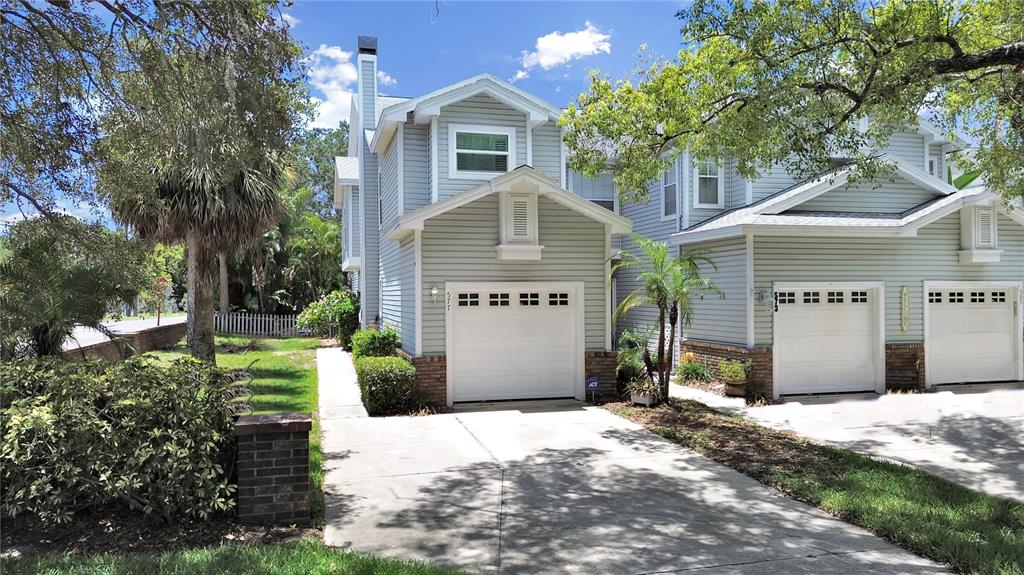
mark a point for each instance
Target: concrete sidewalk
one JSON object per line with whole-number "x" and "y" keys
{"x": 336, "y": 380}
{"x": 562, "y": 487}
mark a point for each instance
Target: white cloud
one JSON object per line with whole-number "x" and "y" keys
{"x": 556, "y": 48}
{"x": 290, "y": 20}
{"x": 333, "y": 74}
{"x": 385, "y": 79}
{"x": 521, "y": 74}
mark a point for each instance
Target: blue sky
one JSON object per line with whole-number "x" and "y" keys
{"x": 550, "y": 46}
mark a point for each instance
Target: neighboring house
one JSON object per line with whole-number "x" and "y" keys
{"x": 465, "y": 231}
{"x": 836, "y": 284}
{"x": 460, "y": 233}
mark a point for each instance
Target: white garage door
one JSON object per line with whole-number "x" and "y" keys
{"x": 971, "y": 335}
{"x": 513, "y": 342}
{"x": 827, "y": 340}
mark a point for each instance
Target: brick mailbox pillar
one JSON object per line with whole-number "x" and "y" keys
{"x": 273, "y": 468}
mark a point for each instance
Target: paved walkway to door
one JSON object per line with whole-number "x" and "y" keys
{"x": 560, "y": 487}
{"x": 970, "y": 434}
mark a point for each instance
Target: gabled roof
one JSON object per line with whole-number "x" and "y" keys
{"x": 778, "y": 213}
{"x": 546, "y": 187}
{"x": 421, "y": 110}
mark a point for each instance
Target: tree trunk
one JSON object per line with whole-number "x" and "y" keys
{"x": 222, "y": 257}
{"x": 201, "y": 272}
{"x": 661, "y": 344}
{"x": 673, "y": 321}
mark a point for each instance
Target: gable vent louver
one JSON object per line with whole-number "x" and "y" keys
{"x": 984, "y": 228}
{"x": 520, "y": 219}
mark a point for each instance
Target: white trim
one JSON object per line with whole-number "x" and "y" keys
{"x": 400, "y": 142}
{"x": 418, "y": 278}
{"x": 686, "y": 192}
{"x": 721, "y": 187}
{"x": 505, "y": 218}
{"x": 518, "y": 252}
{"x": 508, "y": 131}
{"x": 579, "y": 337}
{"x": 1018, "y": 305}
{"x": 608, "y": 288}
{"x": 878, "y": 286}
{"x": 563, "y": 167}
{"x": 751, "y": 303}
{"x": 434, "y": 175}
{"x": 529, "y": 146}
{"x": 749, "y": 191}
{"x": 546, "y": 186}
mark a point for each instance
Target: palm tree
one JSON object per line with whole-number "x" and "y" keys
{"x": 207, "y": 214}
{"x": 670, "y": 283}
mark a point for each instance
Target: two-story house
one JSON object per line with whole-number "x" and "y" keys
{"x": 465, "y": 231}
{"x": 460, "y": 234}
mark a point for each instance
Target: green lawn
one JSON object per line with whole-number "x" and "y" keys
{"x": 970, "y": 531}
{"x": 285, "y": 380}
{"x": 308, "y": 556}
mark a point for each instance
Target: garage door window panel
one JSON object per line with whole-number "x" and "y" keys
{"x": 971, "y": 336}
{"x": 499, "y": 300}
{"x": 529, "y": 299}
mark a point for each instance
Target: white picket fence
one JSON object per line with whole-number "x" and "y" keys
{"x": 257, "y": 324}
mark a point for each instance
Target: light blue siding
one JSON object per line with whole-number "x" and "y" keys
{"x": 547, "y": 151}
{"x": 905, "y": 262}
{"x": 417, "y": 166}
{"x": 908, "y": 147}
{"x": 771, "y": 181}
{"x": 480, "y": 110}
{"x": 889, "y": 196}
{"x": 459, "y": 246}
{"x": 371, "y": 234}
{"x": 722, "y": 317}
{"x": 390, "y": 187}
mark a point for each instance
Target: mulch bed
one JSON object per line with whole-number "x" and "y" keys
{"x": 715, "y": 387}
{"x": 120, "y": 531}
{"x": 751, "y": 449}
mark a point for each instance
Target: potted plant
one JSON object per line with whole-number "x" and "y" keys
{"x": 734, "y": 375}
{"x": 644, "y": 391}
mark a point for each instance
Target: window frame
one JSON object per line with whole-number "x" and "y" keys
{"x": 697, "y": 204}
{"x": 663, "y": 185}
{"x": 454, "y": 129}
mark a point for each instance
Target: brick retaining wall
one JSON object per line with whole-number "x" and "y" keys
{"x": 904, "y": 366}
{"x": 273, "y": 468}
{"x": 759, "y": 372}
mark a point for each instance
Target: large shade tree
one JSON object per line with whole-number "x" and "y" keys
{"x": 198, "y": 155}
{"x": 788, "y": 81}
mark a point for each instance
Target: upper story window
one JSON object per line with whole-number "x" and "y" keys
{"x": 669, "y": 193}
{"x": 480, "y": 152}
{"x": 709, "y": 184}
{"x": 933, "y": 165}
{"x": 601, "y": 191}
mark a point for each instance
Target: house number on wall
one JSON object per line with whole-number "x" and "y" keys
{"x": 448, "y": 300}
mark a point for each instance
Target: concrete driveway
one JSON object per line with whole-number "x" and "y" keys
{"x": 559, "y": 487}
{"x": 973, "y": 435}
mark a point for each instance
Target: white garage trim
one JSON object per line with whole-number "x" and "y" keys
{"x": 877, "y": 286}
{"x": 1017, "y": 288}
{"x": 578, "y": 336}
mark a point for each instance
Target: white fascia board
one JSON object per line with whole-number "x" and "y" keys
{"x": 919, "y": 176}
{"x": 382, "y": 136}
{"x": 430, "y": 104}
{"x": 686, "y": 238}
{"x": 813, "y": 189}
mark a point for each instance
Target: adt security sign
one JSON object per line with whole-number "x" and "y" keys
{"x": 592, "y": 384}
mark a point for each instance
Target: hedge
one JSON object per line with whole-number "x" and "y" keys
{"x": 374, "y": 342}
{"x": 77, "y": 435}
{"x": 387, "y": 384}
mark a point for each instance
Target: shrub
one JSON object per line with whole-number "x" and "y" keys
{"x": 630, "y": 360}
{"x": 732, "y": 371}
{"x": 374, "y": 342}
{"x": 82, "y": 434}
{"x": 339, "y": 308}
{"x": 693, "y": 371}
{"x": 386, "y": 384}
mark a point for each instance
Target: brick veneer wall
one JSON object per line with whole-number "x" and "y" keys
{"x": 603, "y": 365}
{"x": 761, "y": 377}
{"x": 141, "y": 341}
{"x": 904, "y": 366}
{"x": 273, "y": 468}
{"x": 431, "y": 377}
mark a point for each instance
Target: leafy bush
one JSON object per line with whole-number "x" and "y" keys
{"x": 340, "y": 308}
{"x": 374, "y": 342}
{"x": 732, "y": 371}
{"x": 693, "y": 371}
{"x": 82, "y": 434}
{"x": 387, "y": 384}
{"x": 630, "y": 362}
